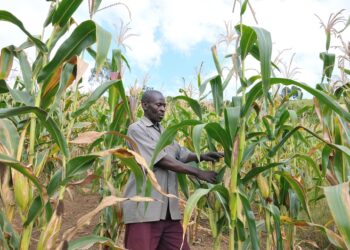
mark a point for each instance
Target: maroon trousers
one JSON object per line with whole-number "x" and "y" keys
{"x": 158, "y": 235}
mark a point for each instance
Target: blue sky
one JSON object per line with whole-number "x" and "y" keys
{"x": 174, "y": 37}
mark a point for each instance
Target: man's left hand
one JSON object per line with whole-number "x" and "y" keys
{"x": 212, "y": 156}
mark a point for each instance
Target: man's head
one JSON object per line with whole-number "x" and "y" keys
{"x": 153, "y": 105}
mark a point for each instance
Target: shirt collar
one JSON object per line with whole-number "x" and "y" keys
{"x": 146, "y": 121}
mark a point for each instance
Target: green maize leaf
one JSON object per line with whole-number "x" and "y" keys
{"x": 13, "y": 163}
{"x": 192, "y": 203}
{"x": 244, "y": 7}
{"x": 121, "y": 91}
{"x": 103, "y": 42}
{"x": 248, "y": 38}
{"x": 79, "y": 164}
{"x": 48, "y": 19}
{"x": 232, "y": 119}
{"x": 54, "y": 183}
{"x": 94, "y": 96}
{"x": 338, "y": 199}
{"x": 3, "y": 86}
{"x": 66, "y": 73}
{"x": 258, "y": 170}
{"x": 340, "y": 169}
{"x": 254, "y": 236}
{"x": 276, "y": 218}
{"x": 326, "y": 152}
{"x": 228, "y": 78}
{"x": 192, "y": 103}
{"x": 46, "y": 121}
{"x": 9, "y": 237}
{"x": 196, "y": 138}
{"x": 268, "y": 128}
{"x": 86, "y": 242}
{"x": 129, "y": 160}
{"x": 57, "y": 33}
{"x": 9, "y": 138}
{"x": 86, "y": 34}
{"x": 328, "y": 65}
{"x": 37, "y": 65}
{"x": 21, "y": 97}
{"x": 115, "y": 68}
{"x": 203, "y": 86}
{"x": 240, "y": 230}
{"x": 96, "y": 5}
{"x": 64, "y": 11}
{"x": 250, "y": 149}
{"x": 215, "y": 131}
{"x": 274, "y": 150}
{"x": 8, "y": 17}
{"x": 117, "y": 122}
{"x": 6, "y": 60}
{"x": 27, "y": 44}
{"x": 251, "y": 97}
{"x": 265, "y": 51}
{"x": 26, "y": 70}
{"x": 214, "y": 53}
{"x": 323, "y": 98}
{"x": 310, "y": 162}
{"x": 218, "y": 94}
{"x": 299, "y": 190}
{"x": 168, "y": 136}
{"x": 34, "y": 211}
{"x": 183, "y": 184}
{"x": 222, "y": 196}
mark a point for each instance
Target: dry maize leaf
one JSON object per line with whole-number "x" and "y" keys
{"x": 90, "y": 136}
{"x": 6, "y": 191}
{"x": 87, "y": 137}
{"x": 53, "y": 81}
{"x": 82, "y": 66}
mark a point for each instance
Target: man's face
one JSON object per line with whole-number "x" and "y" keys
{"x": 155, "y": 108}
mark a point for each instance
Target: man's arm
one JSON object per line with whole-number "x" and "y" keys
{"x": 210, "y": 156}
{"x": 172, "y": 164}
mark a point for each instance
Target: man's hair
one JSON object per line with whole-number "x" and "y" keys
{"x": 148, "y": 94}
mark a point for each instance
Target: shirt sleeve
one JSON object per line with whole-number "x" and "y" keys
{"x": 145, "y": 144}
{"x": 182, "y": 153}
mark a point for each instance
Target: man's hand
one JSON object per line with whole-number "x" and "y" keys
{"x": 208, "y": 176}
{"x": 212, "y": 156}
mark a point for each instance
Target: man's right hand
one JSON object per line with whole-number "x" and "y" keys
{"x": 208, "y": 176}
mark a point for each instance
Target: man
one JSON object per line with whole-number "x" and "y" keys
{"x": 158, "y": 226}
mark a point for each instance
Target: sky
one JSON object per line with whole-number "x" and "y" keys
{"x": 169, "y": 40}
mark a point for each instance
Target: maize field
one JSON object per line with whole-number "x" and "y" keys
{"x": 285, "y": 158}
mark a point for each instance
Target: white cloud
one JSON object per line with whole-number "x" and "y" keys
{"x": 182, "y": 24}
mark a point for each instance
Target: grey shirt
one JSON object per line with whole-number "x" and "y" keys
{"x": 146, "y": 136}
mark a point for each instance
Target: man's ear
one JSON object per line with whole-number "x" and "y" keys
{"x": 144, "y": 105}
